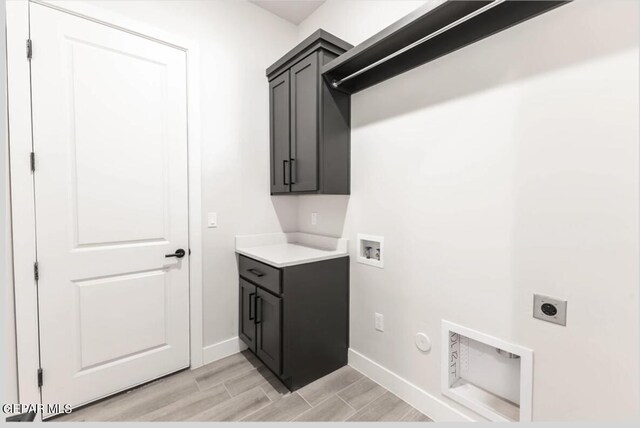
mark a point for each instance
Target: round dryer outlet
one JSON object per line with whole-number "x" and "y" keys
{"x": 423, "y": 342}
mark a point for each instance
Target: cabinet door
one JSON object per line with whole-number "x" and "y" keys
{"x": 305, "y": 88}
{"x": 279, "y": 124}
{"x": 247, "y": 325}
{"x": 269, "y": 332}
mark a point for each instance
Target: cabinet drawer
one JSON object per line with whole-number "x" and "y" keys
{"x": 263, "y": 275}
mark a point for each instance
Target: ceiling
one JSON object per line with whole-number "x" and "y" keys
{"x": 294, "y": 11}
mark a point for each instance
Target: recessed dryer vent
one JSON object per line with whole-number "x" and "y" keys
{"x": 370, "y": 250}
{"x": 488, "y": 375}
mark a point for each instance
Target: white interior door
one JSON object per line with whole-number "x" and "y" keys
{"x": 110, "y": 138}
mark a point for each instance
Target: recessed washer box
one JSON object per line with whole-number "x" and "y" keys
{"x": 487, "y": 375}
{"x": 370, "y": 250}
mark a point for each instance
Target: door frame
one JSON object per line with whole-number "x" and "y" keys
{"x": 22, "y": 197}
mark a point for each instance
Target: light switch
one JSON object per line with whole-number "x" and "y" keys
{"x": 379, "y": 322}
{"x": 212, "y": 220}
{"x": 314, "y": 219}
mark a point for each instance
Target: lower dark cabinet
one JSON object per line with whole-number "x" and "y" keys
{"x": 248, "y": 314}
{"x": 268, "y": 329}
{"x": 301, "y": 333}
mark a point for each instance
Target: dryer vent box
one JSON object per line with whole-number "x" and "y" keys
{"x": 487, "y": 375}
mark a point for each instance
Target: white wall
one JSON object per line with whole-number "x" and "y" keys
{"x": 503, "y": 169}
{"x": 238, "y": 41}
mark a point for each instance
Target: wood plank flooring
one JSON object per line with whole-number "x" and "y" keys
{"x": 241, "y": 388}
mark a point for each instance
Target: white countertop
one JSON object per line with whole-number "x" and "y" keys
{"x": 290, "y": 249}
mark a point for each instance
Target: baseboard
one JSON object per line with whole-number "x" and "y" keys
{"x": 222, "y": 349}
{"x": 431, "y": 406}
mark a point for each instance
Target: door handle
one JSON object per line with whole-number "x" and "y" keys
{"x": 256, "y": 272}
{"x": 252, "y": 299}
{"x": 258, "y": 309}
{"x": 178, "y": 254}
{"x": 284, "y": 172}
{"x": 293, "y": 174}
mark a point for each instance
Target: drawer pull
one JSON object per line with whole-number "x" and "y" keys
{"x": 256, "y": 272}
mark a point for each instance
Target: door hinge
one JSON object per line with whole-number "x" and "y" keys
{"x": 32, "y": 160}
{"x": 29, "y": 49}
{"x": 36, "y": 271}
{"x": 40, "y": 378}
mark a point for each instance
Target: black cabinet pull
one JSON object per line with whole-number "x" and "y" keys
{"x": 284, "y": 172}
{"x": 258, "y": 310}
{"x": 252, "y": 305}
{"x": 178, "y": 254}
{"x": 256, "y": 272}
{"x": 293, "y": 175}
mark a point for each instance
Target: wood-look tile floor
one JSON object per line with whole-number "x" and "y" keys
{"x": 241, "y": 388}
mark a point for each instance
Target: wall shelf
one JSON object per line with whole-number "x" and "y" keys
{"x": 424, "y": 35}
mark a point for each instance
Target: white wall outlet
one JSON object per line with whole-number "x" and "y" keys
{"x": 379, "y": 323}
{"x": 314, "y": 218}
{"x": 550, "y": 309}
{"x": 212, "y": 220}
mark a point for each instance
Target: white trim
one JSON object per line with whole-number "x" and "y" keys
{"x": 116, "y": 20}
{"x": 428, "y": 404}
{"x": 526, "y": 372}
{"x": 223, "y": 349}
{"x": 22, "y": 203}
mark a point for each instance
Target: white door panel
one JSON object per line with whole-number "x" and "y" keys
{"x": 110, "y": 137}
{"x": 118, "y": 198}
{"x": 109, "y": 336}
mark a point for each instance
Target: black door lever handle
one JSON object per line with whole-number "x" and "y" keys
{"x": 179, "y": 254}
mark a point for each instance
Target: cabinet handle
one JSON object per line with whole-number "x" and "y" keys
{"x": 258, "y": 309}
{"x": 284, "y": 172}
{"x": 293, "y": 172}
{"x": 256, "y": 272}
{"x": 252, "y": 299}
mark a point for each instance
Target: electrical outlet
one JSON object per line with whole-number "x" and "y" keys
{"x": 212, "y": 220}
{"x": 314, "y": 218}
{"x": 550, "y": 309}
{"x": 379, "y": 324}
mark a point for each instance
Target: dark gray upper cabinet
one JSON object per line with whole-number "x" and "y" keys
{"x": 304, "y": 125}
{"x": 309, "y": 122}
{"x": 279, "y": 129}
